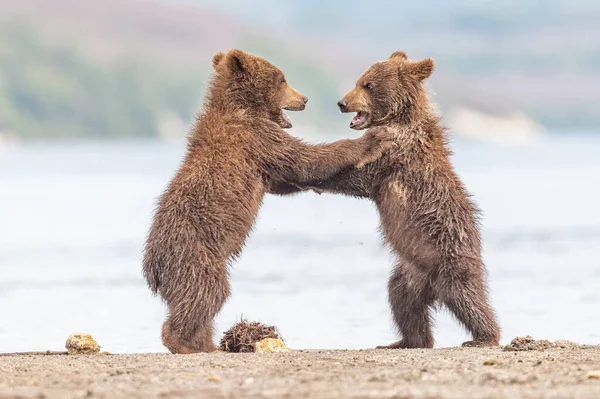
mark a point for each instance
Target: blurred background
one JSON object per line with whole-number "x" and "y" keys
{"x": 96, "y": 99}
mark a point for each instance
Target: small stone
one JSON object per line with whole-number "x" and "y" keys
{"x": 213, "y": 378}
{"x": 594, "y": 375}
{"x": 82, "y": 344}
{"x": 270, "y": 345}
{"x": 491, "y": 362}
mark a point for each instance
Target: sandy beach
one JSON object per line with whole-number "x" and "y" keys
{"x": 570, "y": 371}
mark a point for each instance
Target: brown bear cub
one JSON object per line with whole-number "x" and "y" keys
{"x": 427, "y": 217}
{"x": 237, "y": 151}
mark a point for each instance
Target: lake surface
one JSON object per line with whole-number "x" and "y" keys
{"x": 73, "y": 219}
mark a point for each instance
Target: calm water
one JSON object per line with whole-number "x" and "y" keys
{"x": 73, "y": 218}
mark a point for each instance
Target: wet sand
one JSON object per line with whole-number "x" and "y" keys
{"x": 438, "y": 373}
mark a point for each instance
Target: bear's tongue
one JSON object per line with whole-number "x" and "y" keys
{"x": 359, "y": 119}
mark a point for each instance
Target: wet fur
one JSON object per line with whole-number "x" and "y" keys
{"x": 237, "y": 152}
{"x": 427, "y": 216}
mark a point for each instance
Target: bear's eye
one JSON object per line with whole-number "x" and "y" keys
{"x": 282, "y": 80}
{"x": 368, "y": 86}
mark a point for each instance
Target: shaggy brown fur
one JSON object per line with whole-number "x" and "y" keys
{"x": 237, "y": 151}
{"x": 427, "y": 217}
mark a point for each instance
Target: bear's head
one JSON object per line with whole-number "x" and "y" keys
{"x": 389, "y": 91}
{"x": 258, "y": 86}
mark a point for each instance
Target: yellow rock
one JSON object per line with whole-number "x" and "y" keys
{"x": 594, "y": 375}
{"x": 81, "y": 344}
{"x": 270, "y": 345}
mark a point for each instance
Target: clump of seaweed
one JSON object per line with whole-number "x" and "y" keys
{"x": 243, "y": 336}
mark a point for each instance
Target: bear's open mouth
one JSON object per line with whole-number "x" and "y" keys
{"x": 359, "y": 120}
{"x": 287, "y": 122}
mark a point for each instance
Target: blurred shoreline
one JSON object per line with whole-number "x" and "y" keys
{"x": 75, "y": 214}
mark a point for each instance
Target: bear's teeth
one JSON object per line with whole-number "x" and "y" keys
{"x": 358, "y": 119}
{"x": 287, "y": 118}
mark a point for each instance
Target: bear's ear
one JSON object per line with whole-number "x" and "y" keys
{"x": 217, "y": 59}
{"x": 422, "y": 69}
{"x": 237, "y": 61}
{"x": 400, "y": 55}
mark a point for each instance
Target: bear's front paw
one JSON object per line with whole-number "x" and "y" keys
{"x": 379, "y": 141}
{"x": 369, "y": 159}
{"x": 315, "y": 190}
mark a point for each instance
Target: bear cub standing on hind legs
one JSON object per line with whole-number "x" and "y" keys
{"x": 426, "y": 215}
{"x": 237, "y": 151}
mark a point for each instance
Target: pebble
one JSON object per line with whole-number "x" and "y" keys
{"x": 270, "y": 345}
{"x": 82, "y": 344}
{"x": 594, "y": 375}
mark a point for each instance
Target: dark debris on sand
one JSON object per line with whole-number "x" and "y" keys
{"x": 529, "y": 344}
{"x": 243, "y": 335}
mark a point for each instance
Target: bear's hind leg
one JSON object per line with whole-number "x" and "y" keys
{"x": 204, "y": 338}
{"x": 411, "y": 298}
{"x": 465, "y": 294}
{"x": 189, "y": 327}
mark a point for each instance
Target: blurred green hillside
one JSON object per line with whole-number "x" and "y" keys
{"x": 52, "y": 87}
{"x": 133, "y": 68}
{"x": 56, "y": 91}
